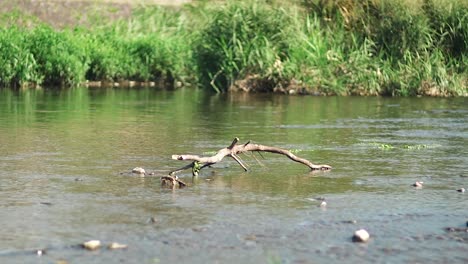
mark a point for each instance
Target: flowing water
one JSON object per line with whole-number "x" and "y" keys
{"x": 66, "y": 157}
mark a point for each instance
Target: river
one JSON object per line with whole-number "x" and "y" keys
{"x": 66, "y": 157}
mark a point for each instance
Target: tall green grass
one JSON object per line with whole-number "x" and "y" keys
{"x": 343, "y": 47}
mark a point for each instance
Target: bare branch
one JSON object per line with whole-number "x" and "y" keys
{"x": 236, "y": 158}
{"x": 233, "y": 150}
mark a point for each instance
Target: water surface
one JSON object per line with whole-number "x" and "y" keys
{"x": 65, "y": 157}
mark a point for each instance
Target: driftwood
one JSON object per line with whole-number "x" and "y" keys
{"x": 233, "y": 151}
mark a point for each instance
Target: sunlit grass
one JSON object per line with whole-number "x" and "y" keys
{"x": 333, "y": 47}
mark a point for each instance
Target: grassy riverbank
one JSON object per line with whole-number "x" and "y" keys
{"x": 374, "y": 47}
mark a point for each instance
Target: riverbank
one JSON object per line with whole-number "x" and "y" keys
{"x": 318, "y": 47}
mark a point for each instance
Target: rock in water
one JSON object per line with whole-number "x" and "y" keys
{"x": 92, "y": 244}
{"x": 462, "y": 190}
{"x": 139, "y": 170}
{"x": 418, "y": 184}
{"x": 361, "y": 236}
{"x": 116, "y": 245}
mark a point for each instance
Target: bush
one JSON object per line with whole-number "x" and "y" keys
{"x": 18, "y": 64}
{"x": 239, "y": 40}
{"x": 61, "y": 58}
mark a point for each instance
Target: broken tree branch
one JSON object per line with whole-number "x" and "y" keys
{"x": 233, "y": 150}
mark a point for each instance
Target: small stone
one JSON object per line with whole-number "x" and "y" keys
{"x": 152, "y": 220}
{"x": 116, "y": 245}
{"x": 92, "y": 244}
{"x": 462, "y": 190}
{"x": 361, "y": 235}
{"x": 251, "y": 237}
{"x": 139, "y": 170}
{"x": 418, "y": 184}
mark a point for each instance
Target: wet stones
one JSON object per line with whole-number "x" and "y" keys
{"x": 96, "y": 244}
{"x": 361, "y": 236}
{"x": 172, "y": 182}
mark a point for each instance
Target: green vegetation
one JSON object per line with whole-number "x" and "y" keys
{"x": 344, "y": 47}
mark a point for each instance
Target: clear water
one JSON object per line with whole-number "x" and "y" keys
{"x": 65, "y": 158}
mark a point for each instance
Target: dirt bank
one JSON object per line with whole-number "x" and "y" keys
{"x": 61, "y": 13}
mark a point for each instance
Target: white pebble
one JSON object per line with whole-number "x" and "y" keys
{"x": 116, "y": 245}
{"x": 139, "y": 170}
{"x": 361, "y": 235}
{"x": 92, "y": 244}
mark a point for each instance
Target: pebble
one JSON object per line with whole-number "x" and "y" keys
{"x": 115, "y": 245}
{"x": 139, "y": 170}
{"x": 462, "y": 190}
{"x": 92, "y": 244}
{"x": 418, "y": 184}
{"x": 361, "y": 235}
{"x": 152, "y": 220}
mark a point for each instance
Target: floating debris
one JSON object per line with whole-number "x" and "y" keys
{"x": 361, "y": 235}
{"x": 349, "y": 222}
{"x": 139, "y": 170}
{"x": 115, "y": 245}
{"x": 462, "y": 190}
{"x": 418, "y": 184}
{"x": 92, "y": 244}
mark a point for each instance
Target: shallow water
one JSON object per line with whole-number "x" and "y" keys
{"x": 65, "y": 158}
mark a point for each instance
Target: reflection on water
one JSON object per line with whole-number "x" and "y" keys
{"x": 63, "y": 153}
